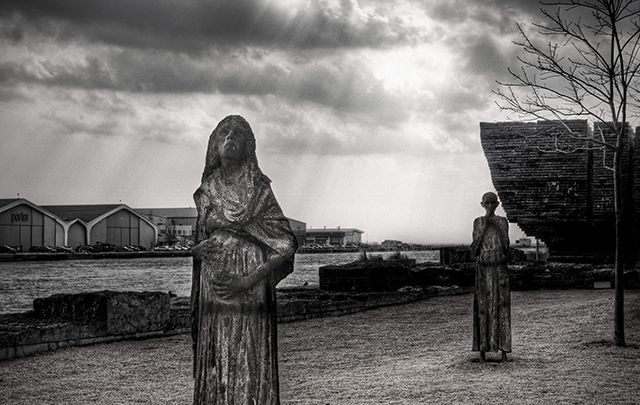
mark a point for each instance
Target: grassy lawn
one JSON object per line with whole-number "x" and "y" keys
{"x": 409, "y": 354}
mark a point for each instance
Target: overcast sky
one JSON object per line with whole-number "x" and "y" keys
{"x": 366, "y": 113}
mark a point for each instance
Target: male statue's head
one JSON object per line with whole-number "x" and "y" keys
{"x": 490, "y": 202}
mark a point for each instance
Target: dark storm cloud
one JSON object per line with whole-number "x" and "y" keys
{"x": 343, "y": 84}
{"x": 500, "y": 14}
{"x": 480, "y": 35}
{"x": 483, "y": 55}
{"x": 199, "y": 25}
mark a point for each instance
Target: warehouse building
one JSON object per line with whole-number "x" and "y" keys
{"x": 114, "y": 224}
{"x": 24, "y": 224}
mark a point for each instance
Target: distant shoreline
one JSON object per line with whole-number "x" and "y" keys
{"x": 32, "y": 256}
{"x": 38, "y": 256}
{"x": 29, "y": 256}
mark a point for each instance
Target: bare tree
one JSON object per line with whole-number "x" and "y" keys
{"x": 583, "y": 61}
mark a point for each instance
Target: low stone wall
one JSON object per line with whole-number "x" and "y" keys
{"x": 77, "y": 319}
{"x": 22, "y": 335}
{"x": 299, "y": 304}
{"x": 370, "y": 275}
{"x": 108, "y": 316}
{"x": 389, "y": 276}
{"x": 115, "y": 313}
{"x": 551, "y": 276}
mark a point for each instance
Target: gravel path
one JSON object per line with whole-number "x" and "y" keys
{"x": 410, "y": 354}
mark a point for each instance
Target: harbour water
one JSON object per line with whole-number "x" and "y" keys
{"x": 22, "y": 282}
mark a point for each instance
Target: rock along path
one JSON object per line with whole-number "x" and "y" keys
{"x": 410, "y": 354}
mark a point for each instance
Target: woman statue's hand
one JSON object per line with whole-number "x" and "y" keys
{"x": 204, "y": 249}
{"x": 228, "y": 288}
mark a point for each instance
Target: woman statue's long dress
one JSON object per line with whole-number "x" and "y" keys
{"x": 246, "y": 247}
{"x": 492, "y": 301}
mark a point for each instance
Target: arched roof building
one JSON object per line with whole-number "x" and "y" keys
{"x": 22, "y": 223}
{"x": 25, "y": 224}
{"x": 115, "y": 224}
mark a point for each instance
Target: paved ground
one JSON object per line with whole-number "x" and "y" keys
{"x": 410, "y": 354}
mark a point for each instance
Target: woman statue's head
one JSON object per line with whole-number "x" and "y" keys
{"x": 232, "y": 139}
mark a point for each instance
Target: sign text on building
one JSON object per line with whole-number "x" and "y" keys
{"x": 19, "y": 217}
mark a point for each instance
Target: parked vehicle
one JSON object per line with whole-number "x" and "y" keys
{"x": 42, "y": 249}
{"x": 104, "y": 247}
{"x": 84, "y": 249}
{"x": 7, "y": 249}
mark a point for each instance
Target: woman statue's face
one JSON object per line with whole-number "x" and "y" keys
{"x": 231, "y": 145}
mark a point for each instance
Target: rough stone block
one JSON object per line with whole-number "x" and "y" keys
{"x": 132, "y": 312}
{"x": 110, "y": 311}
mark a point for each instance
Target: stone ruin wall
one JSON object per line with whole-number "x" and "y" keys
{"x": 564, "y": 199}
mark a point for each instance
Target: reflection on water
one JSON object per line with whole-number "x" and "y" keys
{"x": 22, "y": 282}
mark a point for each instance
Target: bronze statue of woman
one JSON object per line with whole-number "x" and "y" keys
{"x": 245, "y": 247}
{"x": 492, "y": 297}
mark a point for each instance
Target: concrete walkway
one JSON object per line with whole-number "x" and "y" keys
{"x": 411, "y": 354}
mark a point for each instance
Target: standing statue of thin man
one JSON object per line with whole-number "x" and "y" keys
{"x": 492, "y": 300}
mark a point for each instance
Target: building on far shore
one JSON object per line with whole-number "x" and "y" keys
{"x": 334, "y": 236}
{"x": 179, "y": 224}
{"x": 113, "y": 224}
{"x": 24, "y": 224}
{"x": 174, "y": 224}
{"x": 389, "y": 244}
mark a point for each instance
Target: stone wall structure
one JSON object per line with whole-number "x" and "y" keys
{"x": 117, "y": 312}
{"x": 107, "y": 316}
{"x": 564, "y": 199}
